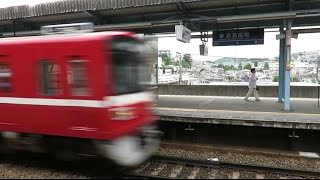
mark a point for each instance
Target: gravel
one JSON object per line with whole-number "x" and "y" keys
{"x": 15, "y": 171}
{"x": 31, "y": 166}
{"x": 247, "y": 175}
{"x": 167, "y": 171}
{"x": 224, "y": 174}
{"x": 203, "y": 173}
{"x": 28, "y": 168}
{"x": 261, "y": 160}
{"x": 151, "y": 168}
{"x": 185, "y": 172}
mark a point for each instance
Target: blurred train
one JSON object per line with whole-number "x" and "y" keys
{"x": 77, "y": 93}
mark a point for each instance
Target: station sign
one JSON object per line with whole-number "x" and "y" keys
{"x": 183, "y": 34}
{"x": 203, "y": 50}
{"x": 251, "y": 36}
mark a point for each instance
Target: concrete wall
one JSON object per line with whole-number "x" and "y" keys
{"x": 231, "y": 90}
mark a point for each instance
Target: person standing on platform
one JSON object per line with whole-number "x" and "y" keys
{"x": 252, "y": 86}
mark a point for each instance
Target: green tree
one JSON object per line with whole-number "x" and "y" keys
{"x": 220, "y": 66}
{"x": 166, "y": 60}
{"x": 256, "y": 64}
{"x": 247, "y": 66}
{"x": 163, "y": 69}
{"x": 266, "y": 66}
{"x": 226, "y": 67}
{"x": 232, "y": 67}
{"x": 230, "y": 78}
{"x": 276, "y": 79}
{"x": 187, "y": 61}
{"x": 176, "y": 63}
{"x": 240, "y": 66}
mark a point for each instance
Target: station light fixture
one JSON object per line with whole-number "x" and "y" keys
{"x": 123, "y": 26}
{"x": 256, "y": 17}
{"x": 68, "y": 28}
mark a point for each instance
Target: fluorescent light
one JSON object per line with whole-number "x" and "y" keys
{"x": 256, "y": 17}
{"x": 123, "y": 26}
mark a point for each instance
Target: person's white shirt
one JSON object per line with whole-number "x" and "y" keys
{"x": 253, "y": 81}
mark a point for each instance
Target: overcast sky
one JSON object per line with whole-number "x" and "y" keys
{"x": 270, "y": 48}
{"x": 305, "y": 42}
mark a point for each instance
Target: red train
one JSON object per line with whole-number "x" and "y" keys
{"x": 77, "y": 92}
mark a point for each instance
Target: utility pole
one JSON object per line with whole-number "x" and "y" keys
{"x": 178, "y": 56}
{"x": 318, "y": 81}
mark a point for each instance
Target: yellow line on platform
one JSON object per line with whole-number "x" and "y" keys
{"x": 247, "y": 112}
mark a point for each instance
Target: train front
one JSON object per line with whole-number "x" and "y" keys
{"x": 132, "y": 126}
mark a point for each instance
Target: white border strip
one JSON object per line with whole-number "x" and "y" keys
{"x": 127, "y": 99}
{"x": 107, "y": 102}
{"x": 50, "y": 102}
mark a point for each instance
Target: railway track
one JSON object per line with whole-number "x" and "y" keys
{"x": 158, "y": 167}
{"x": 166, "y": 167}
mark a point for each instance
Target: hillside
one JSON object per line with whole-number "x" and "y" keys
{"x": 233, "y": 60}
{"x": 307, "y": 56}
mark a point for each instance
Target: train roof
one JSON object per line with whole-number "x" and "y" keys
{"x": 61, "y": 38}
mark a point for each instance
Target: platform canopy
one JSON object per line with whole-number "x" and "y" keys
{"x": 159, "y": 16}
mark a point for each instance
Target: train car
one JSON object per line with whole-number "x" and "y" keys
{"x": 77, "y": 92}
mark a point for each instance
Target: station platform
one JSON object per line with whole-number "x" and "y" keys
{"x": 305, "y": 113}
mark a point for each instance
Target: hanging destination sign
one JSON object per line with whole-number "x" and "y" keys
{"x": 238, "y": 37}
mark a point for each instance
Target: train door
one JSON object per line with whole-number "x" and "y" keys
{"x": 83, "y": 118}
{"x": 8, "y": 111}
{"x": 47, "y": 115}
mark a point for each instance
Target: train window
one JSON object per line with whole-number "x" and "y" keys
{"x": 5, "y": 78}
{"x": 78, "y": 77}
{"x": 50, "y": 78}
{"x": 127, "y": 59}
